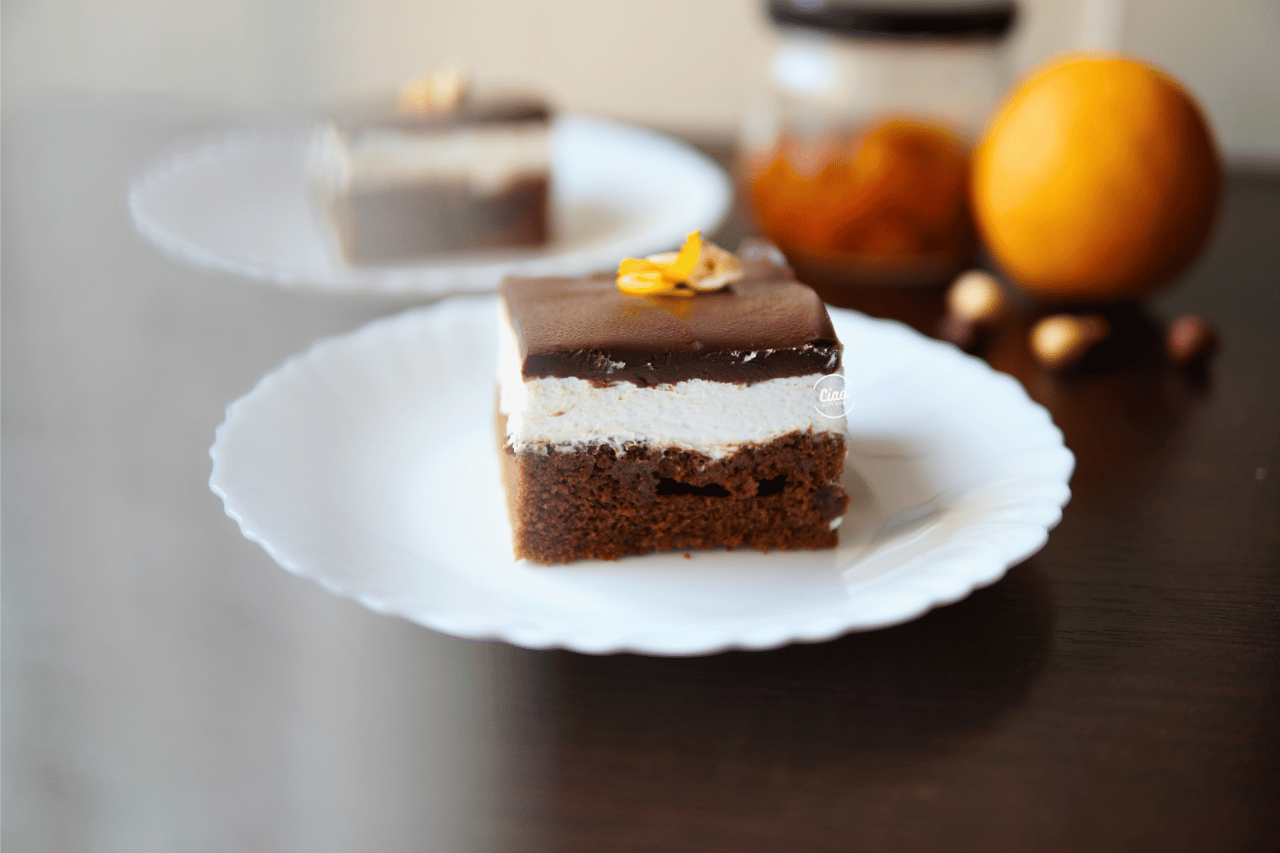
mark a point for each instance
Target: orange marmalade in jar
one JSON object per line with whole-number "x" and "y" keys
{"x": 857, "y": 164}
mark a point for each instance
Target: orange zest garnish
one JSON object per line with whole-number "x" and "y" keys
{"x": 661, "y": 274}
{"x": 644, "y": 283}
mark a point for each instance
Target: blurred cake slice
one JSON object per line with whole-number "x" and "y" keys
{"x": 444, "y": 173}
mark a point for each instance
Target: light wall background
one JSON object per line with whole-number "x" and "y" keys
{"x": 689, "y": 65}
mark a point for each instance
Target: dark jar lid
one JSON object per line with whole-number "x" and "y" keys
{"x": 939, "y": 21}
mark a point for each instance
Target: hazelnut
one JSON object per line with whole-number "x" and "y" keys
{"x": 976, "y": 297}
{"x": 1063, "y": 340}
{"x": 1190, "y": 341}
{"x": 716, "y": 267}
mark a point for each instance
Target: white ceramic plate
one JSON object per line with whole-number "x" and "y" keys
{"x": 239, "y": 203}
{"x": 369, "y": 465}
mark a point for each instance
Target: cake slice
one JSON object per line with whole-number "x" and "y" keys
{"x": 631, "y": 424}
{"x": 445, "y": 172}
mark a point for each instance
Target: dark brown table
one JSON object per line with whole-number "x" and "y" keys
{"x": 166, "y": 687}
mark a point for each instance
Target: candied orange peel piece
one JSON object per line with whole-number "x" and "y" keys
{"x": 437, "y": 92}
{"x": 648, "y": 283}
{"x": 698, "y": 266}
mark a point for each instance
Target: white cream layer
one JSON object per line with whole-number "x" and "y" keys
{"x": 486, "y": 158}
{"x": 714, "y": 418}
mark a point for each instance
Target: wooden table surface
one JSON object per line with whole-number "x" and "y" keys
{"x": 167, "y": 687}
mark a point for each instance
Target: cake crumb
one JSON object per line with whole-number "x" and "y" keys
{"x": 688, "y": 556}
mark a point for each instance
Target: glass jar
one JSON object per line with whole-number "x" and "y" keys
{"x": 856, "y": 163}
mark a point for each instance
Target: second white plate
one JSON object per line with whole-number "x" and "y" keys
{"x": 239, "y": 204}
{"x": 369, "y": 465}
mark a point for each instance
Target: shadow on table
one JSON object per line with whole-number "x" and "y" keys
{"x": 1123, "y": 412}
{"x": 866, "y": 706}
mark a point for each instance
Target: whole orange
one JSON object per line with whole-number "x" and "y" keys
{"x": 1098, "y": 179}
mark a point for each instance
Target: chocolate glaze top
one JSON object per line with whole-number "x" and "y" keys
{"x": 495, "y": 109}
{"x": 766, "y": 326}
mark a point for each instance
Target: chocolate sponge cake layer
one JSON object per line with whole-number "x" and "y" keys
{"x": 383, "y": 224}
{"x": 599, "y": 502}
